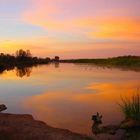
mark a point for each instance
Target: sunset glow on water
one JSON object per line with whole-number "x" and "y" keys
{"x": 67, "y": 95}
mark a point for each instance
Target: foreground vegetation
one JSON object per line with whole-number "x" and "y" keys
{"x": 130, "y": 126}
{"x": 131, "y": 62}
{"x": 131, "y": 107}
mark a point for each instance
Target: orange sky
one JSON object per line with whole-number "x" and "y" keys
{"x": 71, "y": 29}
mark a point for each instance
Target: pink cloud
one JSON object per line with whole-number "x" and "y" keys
{"x": 91, "y": 20}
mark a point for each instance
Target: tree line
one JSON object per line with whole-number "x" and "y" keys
{"x": 22, "y": 58}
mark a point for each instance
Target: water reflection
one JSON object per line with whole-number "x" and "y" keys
{"x": 56, "y": 64}
{"x": 91, "y": 66}
{"x": 2, "y": 70}
{"x": 71, "y": 92}
{"x": 23, "y": 71}
{"x": 73, "y": 110}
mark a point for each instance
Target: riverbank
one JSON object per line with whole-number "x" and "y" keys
{"x": 122, "y": 62}
{"x": 25, "y": 127}
{"x": 125, "y": 62}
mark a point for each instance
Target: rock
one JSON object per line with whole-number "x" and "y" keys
{"x": 127, "y": 134}
{"x": 25, "y": 127}
{"x": 98, "y": 128}
{"x": 112, "y": 132}
{"x": 2, "y": 107}
{"x": 129, "y": 123}
{"x": 97, "y": 118}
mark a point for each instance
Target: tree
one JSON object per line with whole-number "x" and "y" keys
{"x": 56, "y": 58}
{"x": 23, "y": 55}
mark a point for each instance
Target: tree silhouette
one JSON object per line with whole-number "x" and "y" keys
{"x": 22, "y": 55}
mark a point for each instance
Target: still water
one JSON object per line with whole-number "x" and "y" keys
{"x": 67, "y": 95}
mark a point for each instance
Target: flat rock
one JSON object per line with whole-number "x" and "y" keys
{"x": 25, "y": 127}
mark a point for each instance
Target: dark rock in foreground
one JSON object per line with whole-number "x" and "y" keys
{"x": 24, "y": 127}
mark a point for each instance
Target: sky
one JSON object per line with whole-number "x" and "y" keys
{"x": 70, "y": 28}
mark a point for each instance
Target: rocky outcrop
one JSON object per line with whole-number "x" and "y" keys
{"x": 25, "y": 127}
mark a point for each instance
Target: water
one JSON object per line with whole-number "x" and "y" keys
{"x": 67, "y": 95}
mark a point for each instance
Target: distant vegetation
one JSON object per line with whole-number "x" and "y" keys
{"x": 131, "y": 62}
{"x": 22, "y": 59}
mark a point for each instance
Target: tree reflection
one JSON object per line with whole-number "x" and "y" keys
{"x": 56, "y": 64}
{"x": 8, "y": 68}
{"x": 1, "y": 71}
{"x": 23, "y": 71}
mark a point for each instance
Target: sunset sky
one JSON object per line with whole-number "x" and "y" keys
{"x": 71, "y": 28}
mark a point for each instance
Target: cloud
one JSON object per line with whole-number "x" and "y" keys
{"x": 63, "y": 26}
{"x": 88, "y": 19}
{"x": 120, "y": 28}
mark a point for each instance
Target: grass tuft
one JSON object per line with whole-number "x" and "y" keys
{"x": 131, "y": 107}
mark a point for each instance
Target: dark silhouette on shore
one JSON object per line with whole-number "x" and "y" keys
{"x": 22, "y": 60}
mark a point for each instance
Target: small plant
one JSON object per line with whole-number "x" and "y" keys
{"x": 131, "y": 107}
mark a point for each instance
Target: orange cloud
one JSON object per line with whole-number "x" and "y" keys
{"x": 118, "y": 28}
{"x": 54, "y": 17}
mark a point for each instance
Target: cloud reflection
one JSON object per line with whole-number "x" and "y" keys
{"x": 66, "y": 109}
